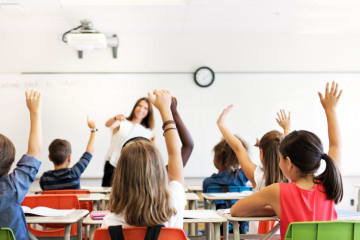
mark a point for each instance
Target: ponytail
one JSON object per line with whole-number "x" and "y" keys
{"x": 331, "y": 180}
{"x": 270, "y": 144}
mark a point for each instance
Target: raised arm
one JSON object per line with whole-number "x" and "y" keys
{"x": 93, "y": 130}
{"x": 329, "y": 102}
{"x": 184, "y": 134}
{"x": 33, "y": 103}
{"x": 110, "y": 121}
{"x": 162, "y": 102}
{"x": 284, "y": 121}
{"x": 242, "y": 155}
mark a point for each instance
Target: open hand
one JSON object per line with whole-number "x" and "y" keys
{"x": 162, "y": 99}
{"x": 283, "y": 120}
{"x": 33, "y": 100}
{"x": 332, "y": 96}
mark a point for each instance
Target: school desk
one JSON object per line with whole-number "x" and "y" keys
{"x": 194, "y": 188}
{"x": 192, "y": 199}
{"x": 103, "y": 190}
{"x": 238, "y": 236}
{"x": 75, "y": 217}
{"x": 211, "y": 197}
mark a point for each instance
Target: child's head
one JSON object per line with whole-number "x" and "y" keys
{"x": 301, "y": 154}
{"x": 7, "y": 155}
{"x": 269, "y": 154}
{"x": 140, "y": 186}
{"x": 143, "y": 110}
{"x": 59, "y": 151}
{"x": 225, "y": 159}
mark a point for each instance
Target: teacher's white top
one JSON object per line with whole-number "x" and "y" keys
{"x": 127, "y": 131}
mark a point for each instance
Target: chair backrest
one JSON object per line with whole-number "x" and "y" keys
{"x": 138, "y": 233}
{"x": 67, "y": 191}
{"x": 83, "y": 205}
{"x": 6, "y": 234}
{"x": 334, "y": 230}
{"x": 57, "y": 201}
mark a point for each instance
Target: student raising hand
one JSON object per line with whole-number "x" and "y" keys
{"x": 329, "y": 101}
{"x": 224, "y": 114}
{"x": 236, "y": 145}
{"x": 284, "y": 121}
{"x": 162, "y": 101}
{"x": 33, "y": 103}
{"x": 33, "y": 100}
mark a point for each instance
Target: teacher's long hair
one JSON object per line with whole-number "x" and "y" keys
{"x": 148, "y": 121}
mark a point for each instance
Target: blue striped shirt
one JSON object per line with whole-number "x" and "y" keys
{"x": 65, "y": 178}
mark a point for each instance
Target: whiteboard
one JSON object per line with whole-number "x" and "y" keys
{"x": 69, "y": 98}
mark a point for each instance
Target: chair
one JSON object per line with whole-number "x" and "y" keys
{"x": 333, "y": 230}
{"x": 83, "y": 205}
{"x": 6, "y": 234}
{"x": 52, "y": 201}
{"x": 138, "y": 233}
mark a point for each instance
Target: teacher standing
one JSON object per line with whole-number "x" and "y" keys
{"x": 139, "y": 124}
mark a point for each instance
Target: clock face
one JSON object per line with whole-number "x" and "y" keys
{"x": 204, "y": 77}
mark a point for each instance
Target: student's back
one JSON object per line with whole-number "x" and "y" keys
{"x": 14, "y": 186}
{"x": 298, "y": 205}
{"x": 143, "y": 193}
{"x": 64, "y": 177}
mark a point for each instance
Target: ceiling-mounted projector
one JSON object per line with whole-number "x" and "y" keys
{"x": 85, "y": 37}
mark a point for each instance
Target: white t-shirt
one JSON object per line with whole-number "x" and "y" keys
{"x": 177, "y": 201}
{"x": 127, "y": 131}
{"x": 259, "y": 178}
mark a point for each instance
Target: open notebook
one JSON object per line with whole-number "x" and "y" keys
{"x": 46, "y": 212}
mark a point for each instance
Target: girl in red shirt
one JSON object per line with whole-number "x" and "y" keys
{"x": 306, "y": 197}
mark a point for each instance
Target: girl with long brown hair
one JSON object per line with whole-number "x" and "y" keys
{"x": 139, "y": 124}
{"x": 269, "y": 152}
{"x": 143, "y": 192}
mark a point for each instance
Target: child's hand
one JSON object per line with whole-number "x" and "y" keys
{"x": 162, "y": 99}
{"x": 224, "y": 113}
{"x": 331, "y": 98}
{"x": 33, "y": 100}
{"x": 91, "y": 123}
{"x": 283, "y": 120}
{"x": 120, "y": 117}
{"x": 173, "y": 104}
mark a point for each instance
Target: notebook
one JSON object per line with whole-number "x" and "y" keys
{"x": 46, "y": 212}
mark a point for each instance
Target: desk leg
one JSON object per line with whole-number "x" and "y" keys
{"x": 207, "y": 231}
{"x": 86, "y": 232}
{"x": 226, "y": 230}
{"x": 191, "y": 226}
{"x": 217, "y": 231}
{"x": 79, "y": 229}
{"x": 92, "y": 230}
{"x": 236, "y": 230}
{"x": 67, "y": 231}
{"x": 272, "y": 232}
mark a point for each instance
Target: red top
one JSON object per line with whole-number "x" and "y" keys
{"x": 300, "y": 205}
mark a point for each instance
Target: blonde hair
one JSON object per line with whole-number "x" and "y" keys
{"x": 140, "y": 186}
